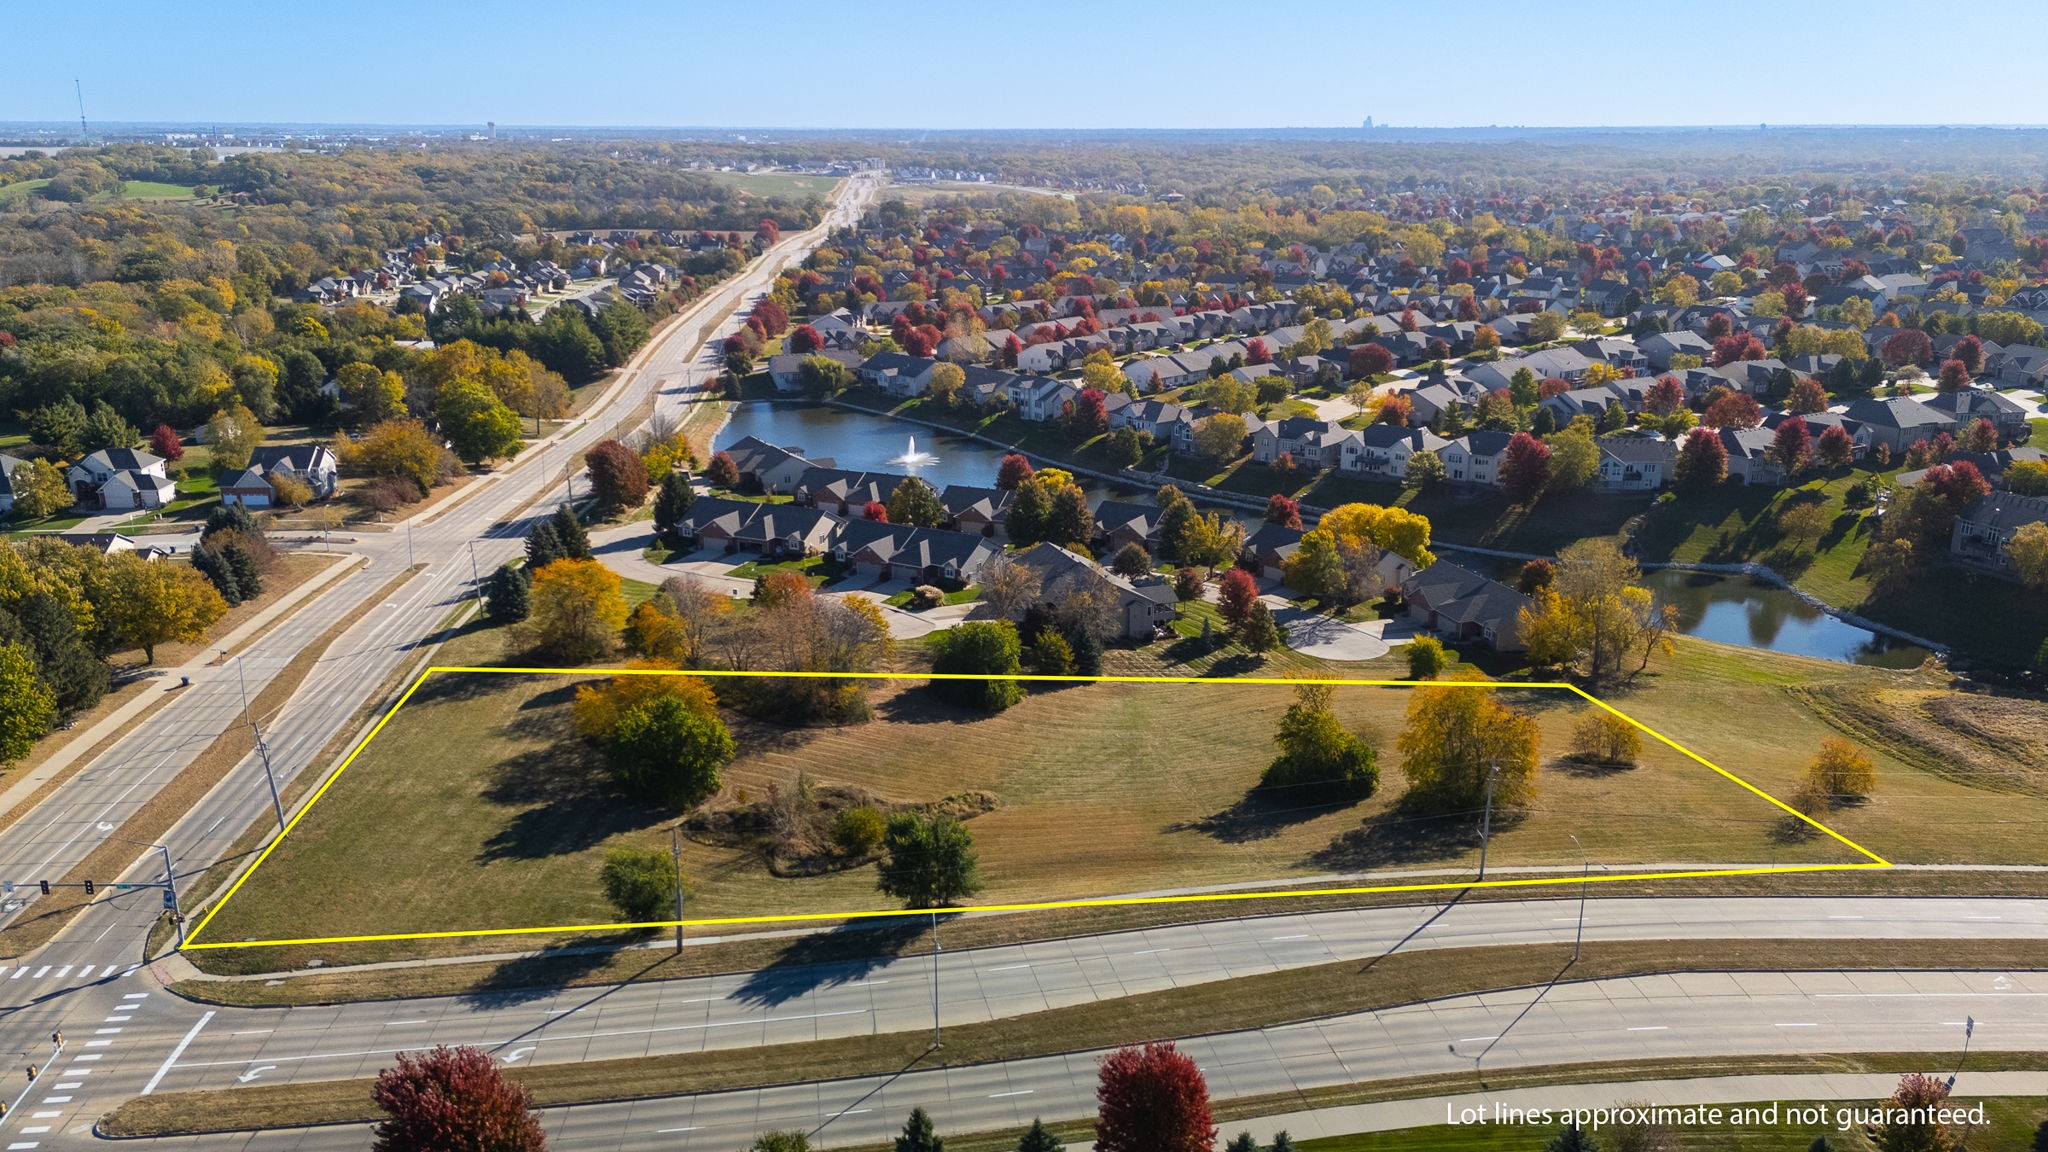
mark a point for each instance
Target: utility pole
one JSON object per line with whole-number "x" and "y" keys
{"x": 262, "y": 746}
{"x": 1585, "y": 879}
{"x": 476, "y": 581}
{"x": 171, "y": 895}
{"x": 408, "y": 543}
{"x": 1486, "y": 820}
{"x": 938, "y": 1038}
{"x": 675, "y": 849}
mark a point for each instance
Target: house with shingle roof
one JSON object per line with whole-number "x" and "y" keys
{"x": 1983, "y": 532}
{"x": 1460, "y": 604}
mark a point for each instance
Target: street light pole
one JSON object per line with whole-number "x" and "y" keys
{"x": 171, "y": 891}
{"x": 1486, "y": 819}
{"x": 476, "y": 581}
{"x": 408, "y": 543}
{"x": 1585, "y": 879}
{"x": 262, "y": 746}
{"x": 938, "y": 1038}
{"x": 675, "y": 849}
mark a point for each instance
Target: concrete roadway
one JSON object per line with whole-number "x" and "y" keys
{"x": 81, "y": 982}
{"x": 172, "y": 1045}
{"x": 1710, "y": 1014}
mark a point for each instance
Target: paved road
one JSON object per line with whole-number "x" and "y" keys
{"x": 1709, "y": 1014}
{"x": 34, "y": 999}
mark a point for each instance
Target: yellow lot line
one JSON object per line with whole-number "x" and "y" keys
{"x": 1871, "y": 859}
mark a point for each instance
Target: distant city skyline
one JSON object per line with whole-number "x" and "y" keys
{"x": 894, "y": 66}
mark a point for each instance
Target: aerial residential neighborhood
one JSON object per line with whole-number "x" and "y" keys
{"x": 769, "y": 593}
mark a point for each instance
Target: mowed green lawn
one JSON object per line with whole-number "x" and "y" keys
{"x": 477, "y": 809}
{"x": 787, "y": 185}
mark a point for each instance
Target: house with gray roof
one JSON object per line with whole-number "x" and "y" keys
{"x": 1983, "y": 532}
{"x": 1142, "y": 607}
{"x": 1462, "y": 605}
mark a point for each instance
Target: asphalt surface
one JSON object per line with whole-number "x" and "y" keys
{"x": 83, "y": 983}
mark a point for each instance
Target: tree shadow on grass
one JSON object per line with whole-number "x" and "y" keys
{"x": 923, "y": 706}
{"x": 454, "y": 687}
{"x": 1588, "y": 769}
{"x": 1256, "y": 816}
{"x": 546, "y": 973}
{"x": 827, "y": 959}
{"x": 1236, "y": 664}
{"x": 566, "y": 802}
{"x": 1404, "y": 836}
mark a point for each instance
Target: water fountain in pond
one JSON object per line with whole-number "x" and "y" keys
{"x": 912, "y": 458}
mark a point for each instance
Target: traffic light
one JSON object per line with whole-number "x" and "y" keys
{"x": 32, "y": 1073}
{"x": 57, "y": 1038}
{"x": 88, "y": 888}
{"x": 46, "y": 886}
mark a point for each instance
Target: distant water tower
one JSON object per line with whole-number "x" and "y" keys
{"x": 1368, "y": 121}
{"x": 493, "y": 126}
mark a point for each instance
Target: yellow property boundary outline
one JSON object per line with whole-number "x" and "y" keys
{"x": 1871, "y": 859}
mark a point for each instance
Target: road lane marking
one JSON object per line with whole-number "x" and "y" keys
{"x": 1150, "y": 951}
{"x": 106, "y": 1031}
{"x": 849, "y": 1112}
{"x": 97, "y": 1043}
{"x": 61, "y": 971}
{"x": 66, "y": 1087}
{"x": 85, "y": 971}
{"x": 165, "y": 1070}
{"x": 1019, "y": 1092}
{"x": 19, "y": 972}
{"x": 254, "y": 1032}
{"x": 131, "y": 995}
{"x": 666, "y": 1131}
{"x": 1807, "y": 1025}
{"x": 1475, "y": 1039}
{"x": 119, "y": 1019}
{"x": 1009, "y": 967}
{"x": 1297, "y": 936}
{"x": 40, "y": 971}
{"x": 401, "y": 1023}
{"x": 1652, "y": 1028}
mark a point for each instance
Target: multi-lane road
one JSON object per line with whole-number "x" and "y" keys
{"x": 186, "y": 1046}
{"x": 82, "y": 978}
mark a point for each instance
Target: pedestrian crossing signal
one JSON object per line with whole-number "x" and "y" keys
{"x": 88, "y": 887}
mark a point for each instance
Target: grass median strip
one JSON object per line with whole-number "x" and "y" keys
{"x": 1220, "y": 1006}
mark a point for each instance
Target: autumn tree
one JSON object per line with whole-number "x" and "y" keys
{"x": 1524, "y": 468}
{"x": 618, "y": 478}
{"x": 1574, "y": 459}
{"x": 27, "y": 704}
{"x": 1839, "y": 770}
{"x": 915, "y": 502}
{"x": 2027, "y": 551}
{"x": 1014, "y": 469}
{"x": 722, "y": 472}
{"x": 454, "y": 1100}
{"x": 1732, "y": 409}
{"x": 1369, "y": 360}
{"x": 1152, "y": 1099}
{"x": 1427, "y": 658}
{"x": 1283, "y": 510}
{"x": 166, "y": 443}
{"x": 1236, "y": 593}
{"x": 478, "y": 425}
{"x": 1218, "y": 437}
{"x": 1792, "y": 446}
{"x": 233, "y": 433}
{"x": 39, "y": 489}
{"x": 1320, "y": 760}
{"x": 1807, "y": 397}
{"x": 1601, "y": 737}
{"x": 157, "y": 603}
{"x": 1594, "y": 614}
{"x": 1954, "y": 376}
{"x": 1912, "y": 1117}
{"x": 370, "y": 394}
{"x": 397, "y": 449}
{"x": 1458, "y": 734}
{"x": 1907, "y": 346}
{"x": 1702, "y": 460}
{"x": 577, "y": 610}
{"x": 1833, "y": 448}
{"x": 928, "y": 860}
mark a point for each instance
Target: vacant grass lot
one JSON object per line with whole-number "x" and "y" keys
{"x": 788, "y": 185}
{"x": 476, "y": 808}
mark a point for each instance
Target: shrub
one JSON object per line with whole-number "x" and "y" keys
{"x": 925, "y": 596}
{"x": 859, "y": 831}
{"x": 931, "y": 861}
{"x": 640, "y": 883}
{"x": 988, "y": 648}
{"x": 1604, "y": 738}
{"x": 1840, "y": 770}
{"x": 1187, "y": 585}
{"x": 1426, "y": 658}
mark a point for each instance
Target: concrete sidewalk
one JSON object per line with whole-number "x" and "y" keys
{"x": 1722, "y": 1090}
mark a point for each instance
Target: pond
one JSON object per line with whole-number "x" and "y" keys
{"x": 1737, "y": 610}
{"x": 859, "y": 441}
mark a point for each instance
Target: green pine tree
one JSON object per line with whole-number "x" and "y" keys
{"x": 672, "y": 502}
{"x": 507, "y": 595}
{"x": 1037, "y": 1139}
{"x": 543, "y": 546}
{"x": 248, "y": 578}
{"x": 918, "y": 1135}
{"x": 569, "y": 530}
{"x": 1242, "y": 1142}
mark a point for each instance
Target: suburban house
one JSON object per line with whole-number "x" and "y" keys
{"x": 1311, "y": 442}
{"x": 845, "y": 493}
{"x": 1119, "y": 522}
{"x": 1385, "y": 449}
{"x": 247, "y": 487}
{"x": 1475, "y": 457}
{"x": 7, "y": 466}
{"x": 1463, "y": 605}
{"x": 114, "y": 543}
{"x": 1267, "y": 550}
{"x": 1969, "y": 405}
{"x": 1983, "y": 531}
{"x": 778, "y": 531}
{"x": 982, "y": 511}
{"x": 313, "y": 465}
{"x": 121, "y": 478}
{"x": 1749, "y": 454}
{"x": 1634, "y": 463}
{"x": 784, "y": 367}
{"x": 920, "y": 555}
{"x": 1142, "y": 607}
{"x": 767, "y": 468}
{"x": 1898, "y": 422}
{"x": 1659, "y": 347}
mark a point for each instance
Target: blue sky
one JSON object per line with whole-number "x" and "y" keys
{"x": 1054, "y": 63}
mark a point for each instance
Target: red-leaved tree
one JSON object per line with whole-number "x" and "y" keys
{"x": 1834, "y": 448}
{"x": 1283, "y": 510}
{"x": 1255, "y": 352}
{"x": 1736, "y": 346}
{"x": 1397, "y": 410}
{"x": 1702, "y": 460}
{"x": 1152, "y": 1099}
{"x": 1524, "y": 468}
{"x": 1954, "y": 376}
{"x": 1792, "y": 445}
{"x": 1236, "y": 594}
{"x": 165, "y": 443}
{"x": 805, "y": 339}
{"x": 1666, "y": 396}
{"x": 1733, "y": 409}
{"x": 1369, "y": 360}
{"x": 1807, "y": 397}
{"x": 1910, "y": 346}
{"x": 722, "y": 472}
{"x": 1014, "y": 470}
{"x": 618, "y": 478}
{"x": 454, "y": 1100}
{"x": 1970, "y": 351}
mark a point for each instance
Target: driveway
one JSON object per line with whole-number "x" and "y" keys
{"x": 1327, "y": 638}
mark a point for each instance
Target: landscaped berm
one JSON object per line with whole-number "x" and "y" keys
{"x": 484, "y": 805}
